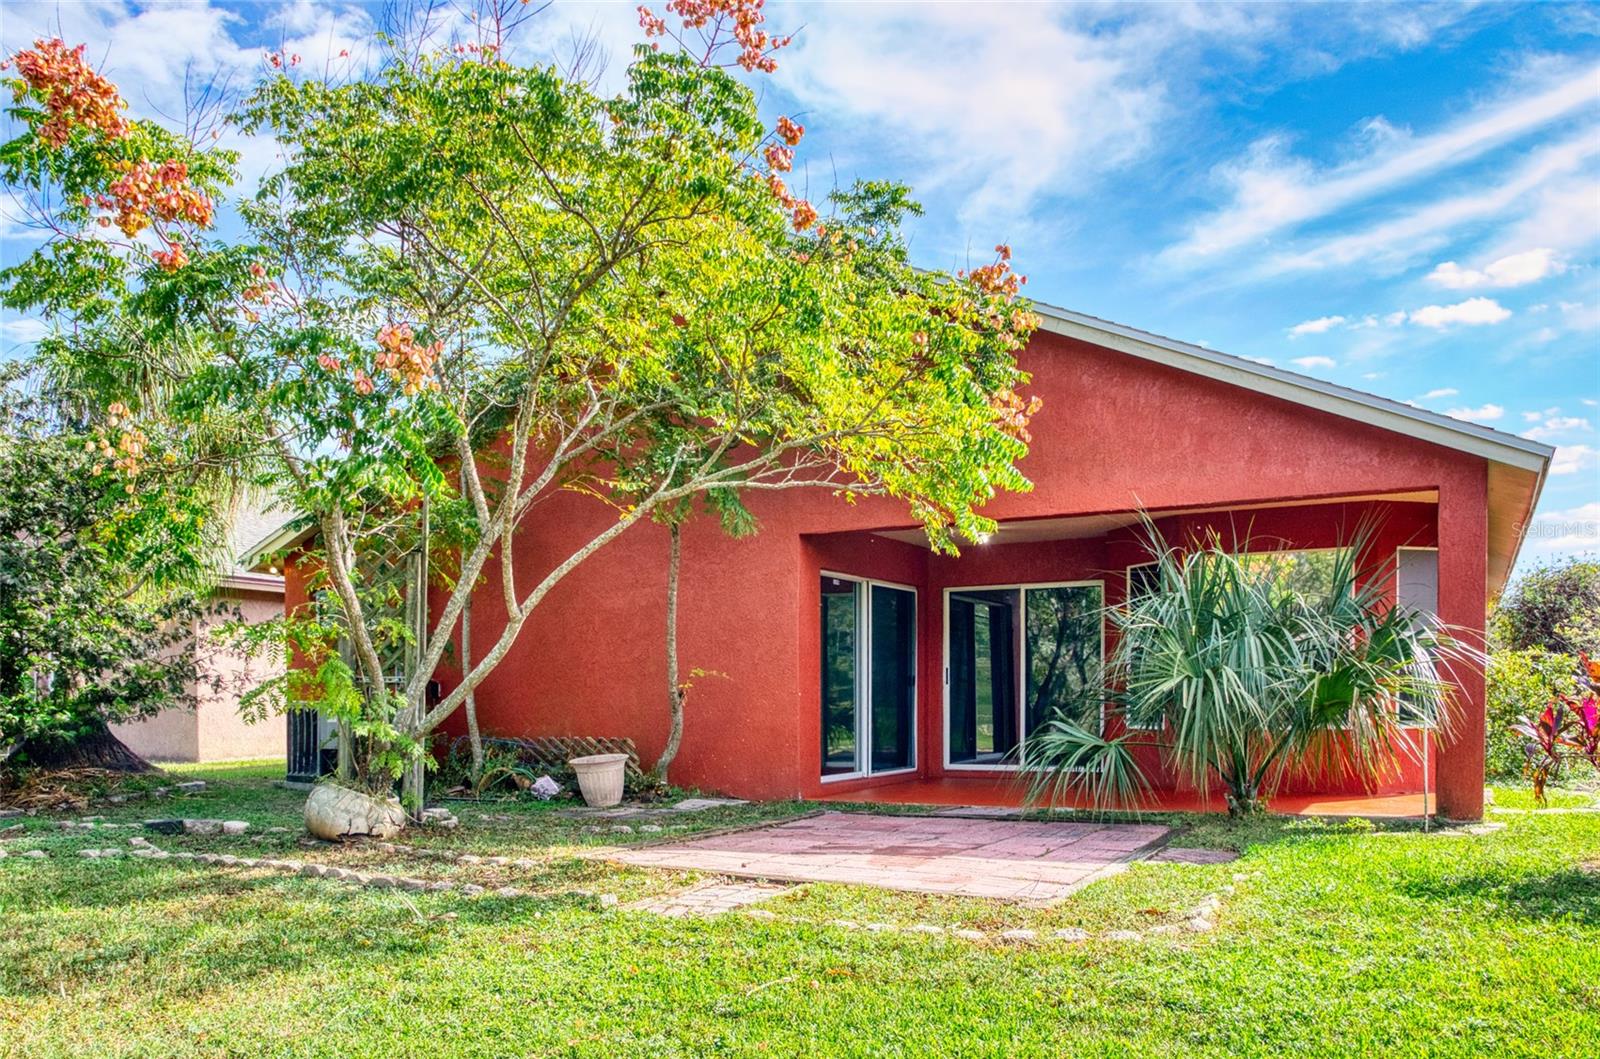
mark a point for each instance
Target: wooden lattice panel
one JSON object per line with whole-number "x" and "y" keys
{"x": 553, "y": 752}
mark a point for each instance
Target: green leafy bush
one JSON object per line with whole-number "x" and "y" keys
{"x": 1555, "y": 607}
{"x": 1521, "y": 683}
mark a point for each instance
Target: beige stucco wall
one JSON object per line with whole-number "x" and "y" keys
{"x": 213, "y": 730}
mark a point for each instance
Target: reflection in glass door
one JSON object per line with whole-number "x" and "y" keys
{"x": 869, "y": 677}
{"x": 1017, "y": 655}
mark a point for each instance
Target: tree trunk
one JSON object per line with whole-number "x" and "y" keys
{"x": 675, "y": 691}
{"x": 98, "y": 749}
{"x": 474, "y": 736}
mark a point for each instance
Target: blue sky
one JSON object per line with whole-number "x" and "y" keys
{"x": 1403, "y": 199}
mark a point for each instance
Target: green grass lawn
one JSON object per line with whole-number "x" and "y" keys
{"x": 1349, "y": 942}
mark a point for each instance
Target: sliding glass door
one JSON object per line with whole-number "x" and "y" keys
{"x": 869, "y": 677}
{"x": 1015, "y": 656}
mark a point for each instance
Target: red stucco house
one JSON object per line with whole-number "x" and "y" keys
{"x": 929, "y": 658}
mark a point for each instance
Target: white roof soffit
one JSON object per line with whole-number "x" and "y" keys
{"x": 1329, "y": 397}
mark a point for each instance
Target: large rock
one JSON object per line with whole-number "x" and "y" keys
{"x": 334, "y": 812}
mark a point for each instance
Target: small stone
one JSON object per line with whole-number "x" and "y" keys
{"x": 3, "y": 853}
{"x": 34, "y": 854}
{"x": 439, "y": 887}
{"x": 845, "y": 924}
{"x": 1122, "y": 935}
{"x": 164, "y": 826}
{"x": 249, "y": 862}
{"x": 138, "y": 840}
{"x": 161, "y": 792}
{"x": 90, "y": 853}
{"x": 292, "y": 865}
{"x": 882, "y": 928}
{"x": 1239, "y": 876}
{"x": 1164, "y": 928}
{"x": 381, "y": 882}
{"x": 471, "y": 889}
{"x": 277, "y": 830}
{"x": 508, "y": 891}
{"x": 1229, "y": 889}
{"x": 117, "y": 799}
{"x": 499, "y": 862}
{"x": 414, "y": 885}
{"x": 191, "y": 786}
{"x": 143, "y": 851}
{"x": 235, "y": 827}
{"x": 227, "y": 860}
{"x": 184, "y": 856}
{"x": 967, "y": 934}
{"x": 922, "y": 928}
{"x": 469, "y": 858}
{"x": 621, "y": 829}
{"x": 1072, "y": 934}
{"x": 313, "y": 871}
{"x": 203, "y": 827}
{"x": 1019, "y": 934}
{"x": 649, "y": 829}
{"x": 608, "y": 900}
{"x": 13, "y": 831}
{"x": 525, "y": 864}
{"x": 7, "y": 814}
{"x": 1199, "y": 924}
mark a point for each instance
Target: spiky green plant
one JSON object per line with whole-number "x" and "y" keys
{"x": 1235, "y": 674}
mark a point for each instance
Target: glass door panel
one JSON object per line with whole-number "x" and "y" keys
{"x": 841, "y": 677}
{"x": 894, "y": 677}
{"x": 1062, "y": 663}
{"x": 983, "y": 699}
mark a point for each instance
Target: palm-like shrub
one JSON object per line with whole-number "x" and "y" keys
{"x": 1235, "y": 673}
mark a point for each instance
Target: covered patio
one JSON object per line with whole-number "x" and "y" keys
{"x": 936, "y": 670}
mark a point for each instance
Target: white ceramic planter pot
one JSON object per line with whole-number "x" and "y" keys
{"x": 600, "y": 778}
{"x": 334, "y": 812}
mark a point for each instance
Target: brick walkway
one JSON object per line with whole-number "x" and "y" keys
{"x": 707, "y": 900}
{"x": 971, "y": 857}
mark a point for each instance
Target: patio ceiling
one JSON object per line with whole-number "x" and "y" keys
{"x": 1074, "y": 527}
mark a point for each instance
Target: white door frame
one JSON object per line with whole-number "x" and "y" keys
{"x": 863, "y": 769}
{"x": 1020, "y": 661}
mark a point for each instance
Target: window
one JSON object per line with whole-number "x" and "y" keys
{"x": 1308, "y": 572}
{"x": 869, "y": 686}
{"x": 1015, "y": 656}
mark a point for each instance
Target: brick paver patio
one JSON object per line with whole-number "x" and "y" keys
{"x": 1007, "y": 859}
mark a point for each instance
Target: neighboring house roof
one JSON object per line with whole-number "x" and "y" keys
{"x": 1517, "y": 465}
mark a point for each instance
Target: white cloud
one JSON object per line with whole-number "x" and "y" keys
{"x": 998, "y": 108}
{"x": 1487, "y": 413}
{"x": 1315, "y": 327}
{"x": 1570, "y": 459}
{"x": 1272, "y": 192}
{"x": 1444, "y": 391}
{"x": 21, "y": 331}
{"x": 1473, "y": 311}
{"x": 1557, "y": 425}
{"x": 1514, "y": 270}
{"x": 1315, "y": 362}
{"x": 1416, "y": 230}
{"x": 1573, "y": 530}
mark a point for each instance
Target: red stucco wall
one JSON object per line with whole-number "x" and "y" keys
{"x": 1115, "y": 432}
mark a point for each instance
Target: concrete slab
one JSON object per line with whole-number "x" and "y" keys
{"x": 1011, "y": 860}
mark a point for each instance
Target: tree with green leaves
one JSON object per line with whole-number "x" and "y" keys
{"x": 85, "y": 641}
{"x": 475, "y": 284}
{"x": 1234, "y": 671}
{"x": 1554, "y": 607}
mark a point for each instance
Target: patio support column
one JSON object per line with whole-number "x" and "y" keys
{"x": 1463, "y": 590}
